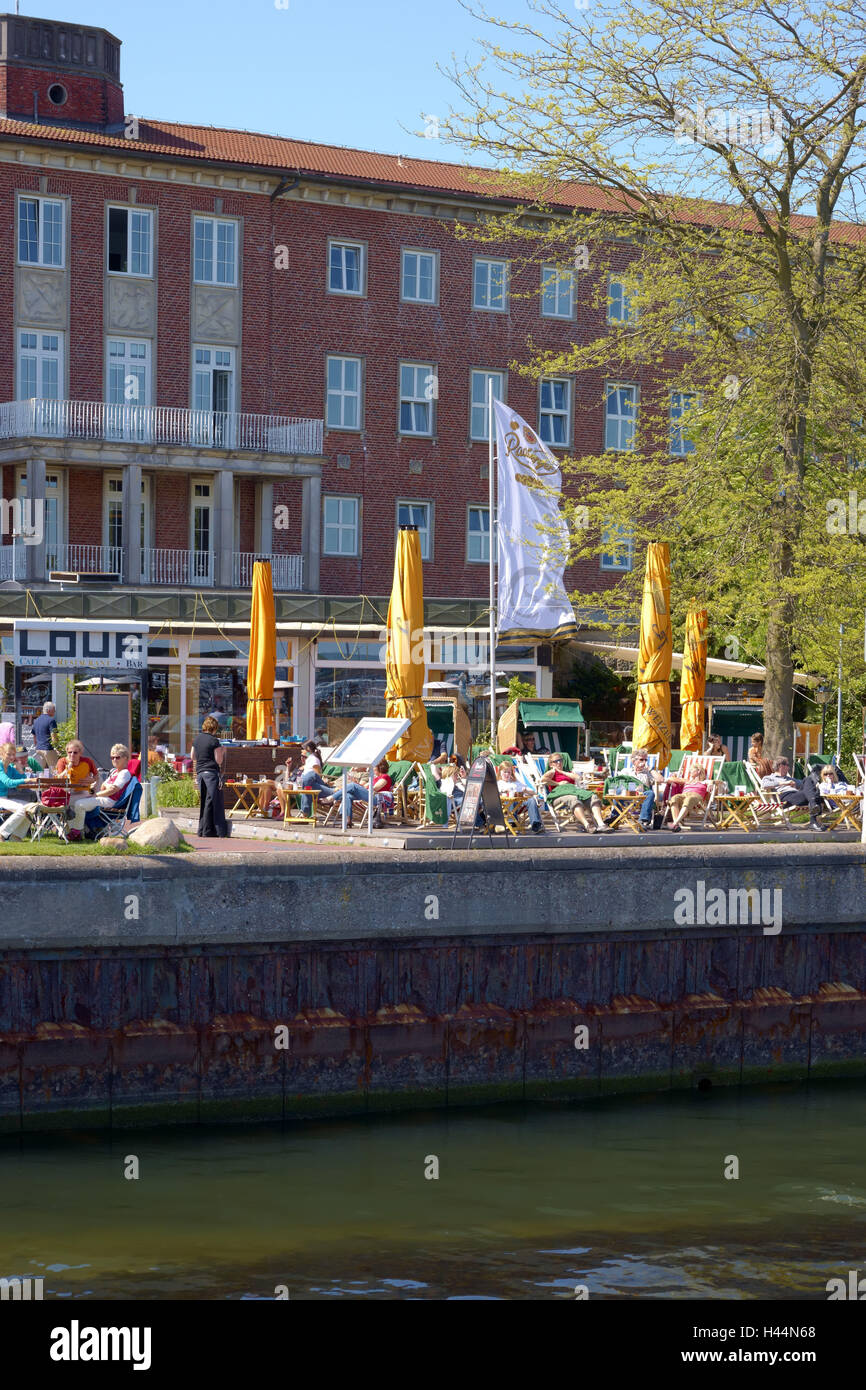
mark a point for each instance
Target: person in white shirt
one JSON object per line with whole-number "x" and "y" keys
{"x": 311, "y": 777}
{"x": 510, "y": 788}
{"x": 111, "y": 791}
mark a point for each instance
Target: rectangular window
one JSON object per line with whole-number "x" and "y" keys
{"x": 343, "y": 403}
{"x": 215, "y": 258}
{"x": 490, "y": 285}
{"x": 478, "y": 535}
{"x": 419, "y": 387}
{"x": 681, "y": 403}
{"x": 346, "y": 267}
{"x": 619, "y": 546}
{"x": 40, "y": 366}
{"x": 620, "y": 306}
{"x": 130, "y": 241}
{"x": 620, "y": 416}
{"x": 419, "y": 277}
{"x": 557, "y": 293}
{"x": 40, "y": 231}
{"x": 554, "y": 411}
{"x": 127, "y": 387}
{"x": 417, "y": 514}
{"x": 479, "y": 422}
{"x": 340, "y": 525}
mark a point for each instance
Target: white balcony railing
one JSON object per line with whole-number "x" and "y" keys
{"x": 12, "y": 562}
{"x": 170, "y": 567}
{"x": 160, "y": 424}
{"x": 287, "y": 571}
{"x": 85, "y": 559}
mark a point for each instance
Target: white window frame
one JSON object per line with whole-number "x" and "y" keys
{"x": 559, "y": 278}
{"x": 490, "y": 261}
{"x": 609, "y": 388}
{"x": 41, "y": 355}
{"x": 40, "y": 230}
{"x": 341, "y": 394}
{"x": 110, "y": 494}
{"x": 197, "y": 573}
{"x": 555, "y": 414}
{"x": 151, "y": 220}
{"x": 676, "y": 430}
{"x": 59, "y": 477}
{"x": 341, "y": 526}
{"x": 625, "y": 299}
{"x": 429, "y": 396}
{"x": 625, "y": 566}
{"x": 129, "y": 362}
{"x": 360, "y": 246}
{"x": 473, "y": 404}
{"x": 425, "y": 533}
{"x": 419, "y": 251}
{"x": 477, "y": 559}
{"x": 216, "y": 223}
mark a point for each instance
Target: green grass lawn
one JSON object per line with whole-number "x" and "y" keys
{"x": 55, "y": 847}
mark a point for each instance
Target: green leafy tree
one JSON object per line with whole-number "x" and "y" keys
{"x": 713, "y": 156}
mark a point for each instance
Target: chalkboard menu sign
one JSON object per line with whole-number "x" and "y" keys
{"x": 481, "y": 794}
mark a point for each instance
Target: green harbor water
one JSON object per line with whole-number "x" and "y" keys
{"x": 624, "y": 1196}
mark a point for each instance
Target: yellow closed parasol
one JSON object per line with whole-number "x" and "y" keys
{"x": 652, "y": 716}
{"x": 404, "y": 662}
{"x": 694, "y": 681}
{"x": 262, "y": 667}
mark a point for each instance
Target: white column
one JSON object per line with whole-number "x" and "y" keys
{"x": 132, "y": 524}
{"x": 311, "y": 531}
{"x": 35, "y": 554}
{"x": 224, "y": 528}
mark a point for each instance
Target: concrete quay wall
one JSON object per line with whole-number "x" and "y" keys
{"x": 243, "y": 987}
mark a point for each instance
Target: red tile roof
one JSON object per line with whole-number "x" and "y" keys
{"x": 278, "y": 155}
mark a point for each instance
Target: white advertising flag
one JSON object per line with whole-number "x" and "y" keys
{"x": 533, "y": 536}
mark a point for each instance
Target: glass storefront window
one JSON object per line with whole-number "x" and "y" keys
{"x": 345, "y": 695}
{"x": 163, "y": 706}
{"x": 348, "y": 649}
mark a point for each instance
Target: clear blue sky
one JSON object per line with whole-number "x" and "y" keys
{"x": 344, "y": 72}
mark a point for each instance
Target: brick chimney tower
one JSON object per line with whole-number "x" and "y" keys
{"x": 54, "y": 73}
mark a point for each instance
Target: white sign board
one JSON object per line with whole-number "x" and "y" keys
{"x": 365, "y": 746}
{"x": 62, "y": 645}
{"x": 368, "y": 742}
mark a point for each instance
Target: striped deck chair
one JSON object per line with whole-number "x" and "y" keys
{"x": 767, "y": 809}
{"x": 699, "y": 767}
{"x": 530, "y": 772}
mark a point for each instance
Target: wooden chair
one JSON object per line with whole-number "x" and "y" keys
{"x": 699, "y": 767}
{"x": 767, "y": 808}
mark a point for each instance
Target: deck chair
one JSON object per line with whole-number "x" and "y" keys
{"x": 530, "y": 773}
{"x": 698, "y": 767}
{"x": 767, "y": 809}
{"x": 112, "y": 820}
{"x": 624, "y": 763}
{"x": 433, "y": 802}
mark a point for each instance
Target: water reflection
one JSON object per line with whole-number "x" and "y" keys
{"x": 628, "y": 1199}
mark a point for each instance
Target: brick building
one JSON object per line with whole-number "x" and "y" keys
{"x": 226, "y": 345}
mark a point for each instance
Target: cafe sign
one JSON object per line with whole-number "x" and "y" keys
{"x": 62, "y": 645}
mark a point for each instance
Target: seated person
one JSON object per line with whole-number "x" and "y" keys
{"x": 111, "y": 790}
{"x": 78, "y": 770}
{"x": 649, "y": 781}
{"x": 830, "y": 781}
{"x": 27, "y": 762}
{"x": 693, "y": 797}
{"x": 793, "y": 793}
{"x": 452, "y": 782}
{"x": 511, "y": 788}
{"x": 357, "y": 789}
{"x": 574, "y": 801}
{"x": 716, "y": 749}
{"x": 757, "y": 757}
{"x": 16, "y": 788}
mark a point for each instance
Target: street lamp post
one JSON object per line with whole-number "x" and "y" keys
{"x": 822, "y": 695}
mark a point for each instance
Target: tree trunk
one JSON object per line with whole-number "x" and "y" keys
{"x": 779, "y": 689}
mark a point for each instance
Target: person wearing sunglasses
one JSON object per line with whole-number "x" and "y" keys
{"x": 112, "y": 789}
{"x": 574, "y": 799}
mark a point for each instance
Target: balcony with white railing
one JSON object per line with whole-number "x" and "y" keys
{"x": 172, "y": 568}
{"x": 85, "y": 559}
{"x": 160, "y": 425}
{"x": 287, "y": 571}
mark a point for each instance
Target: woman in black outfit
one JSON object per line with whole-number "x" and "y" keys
{"x": 208, "y": 755}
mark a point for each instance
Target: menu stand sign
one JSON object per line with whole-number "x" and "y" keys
{"x": 481, "y": 794}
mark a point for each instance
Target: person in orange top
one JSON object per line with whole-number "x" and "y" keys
{"x": 79, "y": 770}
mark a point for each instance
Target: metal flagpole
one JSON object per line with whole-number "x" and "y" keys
{"x": 493, "y": 561}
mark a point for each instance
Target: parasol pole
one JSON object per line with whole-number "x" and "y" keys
{"x": 493, "y": 558}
